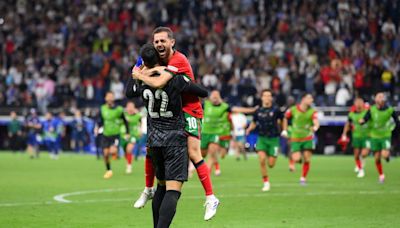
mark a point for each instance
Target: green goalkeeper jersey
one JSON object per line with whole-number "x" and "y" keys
{"x": 134, "y": 122}
{"x": 381, "y": 122}
{"x": 358, "y": 131}
{"x": 112, "y": 119}
{"x": 213, "y": 117}
{"x": 302, "y": 121}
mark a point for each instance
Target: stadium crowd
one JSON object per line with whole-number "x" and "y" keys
{"x": 69, "y": 53}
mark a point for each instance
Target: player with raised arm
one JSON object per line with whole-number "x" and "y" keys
{"x": 267, "y": 119}
{"x": 133, "y": 117}
{"x": 167, "y": 139}
{"x": 215, "y": 113}
{"x": 215, "y": 125}
{"x": 383, "y": 120}
{"x": 304, "y": 122}
{"x": 177, "y": 63}
{"x": 110, "y": 119}
{"x": 359, "y": 134}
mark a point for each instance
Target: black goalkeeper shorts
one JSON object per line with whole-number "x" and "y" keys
{"x": 109, "y": 141}
{"x": 170, "y": 163}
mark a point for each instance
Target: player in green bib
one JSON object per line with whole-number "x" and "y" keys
{"x": 304, "y": 122}
{"x": 215, "y": 113}
{"x": 111, "y": 118}
{"x": 382, "y": 120}
{"x": 133, "y": 117}
{"x": 359, "y": 134}
{"x": 216, "y": 131}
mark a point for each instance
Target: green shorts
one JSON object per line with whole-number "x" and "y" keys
{"x": 224, "y": 143}
{"x": 206, "y": 139}
{"x": 269, "y": 145}
{"x": 193, "y": 125}
{"x": 301, "y": 146}
{"x": 123, "y": 142}
{"x": 380, "y": 144}
{"x": 361, "y": 143}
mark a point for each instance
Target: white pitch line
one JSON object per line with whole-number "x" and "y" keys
{"x": 25, "y": 204}
{"x": 61, "y": 197}
{"x": 240, "y": 195}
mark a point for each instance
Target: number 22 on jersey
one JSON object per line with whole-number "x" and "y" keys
{"x": 159, "y": 95}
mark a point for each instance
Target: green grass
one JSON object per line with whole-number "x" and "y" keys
{"x": 334, "y": 197}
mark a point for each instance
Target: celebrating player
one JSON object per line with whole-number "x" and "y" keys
{"x": 359, "y": 134}
{"x": 380, "y": 118}
{"x": 177, "y": 63}
{"x": 304, "y": 122}
{"x": 267, "y": 119}
{"x": 216, "y": 128}
{"x": 110, "y": 120}
{"x": 215, "y": 115}
{"x": 133, "y": 117}
{"x": 167, "y": 139}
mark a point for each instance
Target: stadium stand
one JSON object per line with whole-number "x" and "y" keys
{"x": 62, "y": 55}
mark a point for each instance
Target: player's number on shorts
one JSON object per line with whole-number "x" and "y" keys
{"x": 159, "y": 95}
{"x": 192, "y": 122}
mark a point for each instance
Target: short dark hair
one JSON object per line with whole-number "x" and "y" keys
{"x": 164, "y": 29}
{"x": 267, "y": 90}
{"x": 149, "y": 55}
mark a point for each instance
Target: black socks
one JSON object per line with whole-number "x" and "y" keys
{"x": 168, "y": 208}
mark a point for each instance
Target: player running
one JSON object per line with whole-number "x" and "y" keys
{"x": 304, "y": 123}
{"x": 167, "y": 139}
{"x": 110, "y": 120}
{"x": 359, "y": 134}
{"x": 267, "y": 119}
{"x": 216, "y": 112}
{"x": 217, "y": 127}
{"x": 177, "y": 63}
{"x": 133, "y": 117}
{"x": 380, "y": 118}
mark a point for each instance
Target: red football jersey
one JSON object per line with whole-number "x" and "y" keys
{"x": 179, "y": 64}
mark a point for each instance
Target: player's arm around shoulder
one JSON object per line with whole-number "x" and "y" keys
{"x": 184, "y": 84}
{"x": 147, "y": 76}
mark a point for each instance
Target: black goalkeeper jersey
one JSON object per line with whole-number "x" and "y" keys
{"x": 266, "y": 120}
{"x": 165, "y": 118}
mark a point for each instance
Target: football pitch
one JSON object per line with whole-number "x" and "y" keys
{"x": 71, "y": 192}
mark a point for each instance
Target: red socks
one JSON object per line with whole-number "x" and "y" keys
{"x": 149, "y": 172}
{"x": 204, "y": 177}
{"x": 306, "y": 167}
{"x": 216, "y": 166}
{"x": 358, "y": 163}
{"x": 265, "y": 179}
{"x": 379, "y": 167}
{"x": 128, "y": 157}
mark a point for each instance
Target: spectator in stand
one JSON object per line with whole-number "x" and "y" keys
{"x": 83, "y": 43}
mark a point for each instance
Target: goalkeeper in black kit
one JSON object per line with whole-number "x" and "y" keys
{"x": 167, "y": 139}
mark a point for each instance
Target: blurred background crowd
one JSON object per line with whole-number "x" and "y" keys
{"x": 68, "y": 53}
